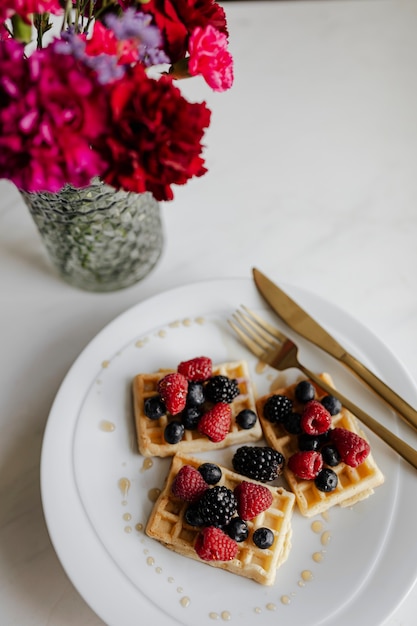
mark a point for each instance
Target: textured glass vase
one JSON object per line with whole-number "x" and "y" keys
{"x": 98, "y": 239}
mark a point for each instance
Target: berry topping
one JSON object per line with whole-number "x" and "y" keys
{"x": 292, "y": 423}
{"x": 305, "y": 464}
{"x": 188, "y": 484}
{"x": 326, "y": 480}
{"x": 190, "y": 417}
{"x": 352, "y": 448}
{"x": 173, "y": 391}
{"x": 217, "y": 506}
{"x": 332, "y": 404}
{"x": 246, "y": 419}
{"x": 210, "y": 472}
{"x": 195, "y": 394}
{"x": 212, "y": 544}
{"x": 216, "y": 422}
{"x": 221, "y": 389}
{"x": 309, "y": 442}
{"x": 174, "y": 432}
{"x": 192, "y": 515}
{"x": 252, "y": 499}
{"x": 258, "y": 462}
{"x": 315, "y": 419}
{"x": 263, "y": 537}
{"x": 330, "y": 455}
{"x": 276, "y": 407}
{"x": 196, "y": 369}
{"x": 304, "y": 391}
{"x": 154, "y": 407}
{"x": 237, "y": 529}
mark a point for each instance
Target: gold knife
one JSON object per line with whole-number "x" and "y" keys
{"x": 300, "y": 321}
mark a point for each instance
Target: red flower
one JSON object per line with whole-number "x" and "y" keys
{"x": 155, "y": 139}
{"x": 25, "y": 8}
{"x": 177, "y": 19}
{"x": 210, "y": 58}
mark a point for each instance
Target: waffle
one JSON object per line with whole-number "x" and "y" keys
{"x": 354, "y": 484}
{"x": 150, "y": 433}
{"x": 166, "y": 524}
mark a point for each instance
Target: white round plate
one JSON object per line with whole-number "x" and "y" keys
{"x": 97, "y": 492}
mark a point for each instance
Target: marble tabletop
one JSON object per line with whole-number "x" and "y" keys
{"x": 312, "y": 160}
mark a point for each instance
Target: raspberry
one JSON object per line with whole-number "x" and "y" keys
{"x": 173, "y": 391}
{"x": 212, "y": 544}
{"x": 277, "y": 407}
{"x": 196, "y": 369}
{"x": 217, "y": 506}
{"x": 221, "y": 389}
{"x": 305, "y": 464}
{"x": 216, "y": 422}
{"x": 258, "y": 462}
{"x": 252, "y": 499}
{"x": 352, "y": 448}
{"x": 188, "y": 484}
{"x": 315, "y": 419}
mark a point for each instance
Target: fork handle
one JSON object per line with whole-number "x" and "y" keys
{"x": 404, "y": 410}
{"x": 401, "y": 447}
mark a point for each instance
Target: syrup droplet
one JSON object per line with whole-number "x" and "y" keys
{"x": 150, "y": 560}
{"x": 185, "y": 601}
{"x": 318, "y": 557}
{"x": 271, "y": 606}
{"x": 105, "y": 364}
{"x": 325, "y": 538}
{"x": 162, "y": 333}
{"x": 141, "y": 342}
{"x": 307, "y": 575}
{"x": 147, "y": 464}
{"x": 213, "y": 615}
{"x": 107, "y": 427}
{"x": 153, "y": 494}
{"x": 285, "y": 599}
{"x": 124, "y": 486}
{"x": 226, "y": 616}
{"x": 139, "y": 527}
{"x": 187, "y": 322}
{"x": 200, "y": 320}
{"x": 127, "y": 517}
{"x": 317, "y": 526}
{"x": 128, "y": 529}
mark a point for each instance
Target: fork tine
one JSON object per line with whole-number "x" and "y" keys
{"x": 265, "y": 325}
{"x": 252, "y": 345}
{"x": 251, "y": 329}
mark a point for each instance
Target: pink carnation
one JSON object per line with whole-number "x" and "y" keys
{"x": 25, "y": 8}
{"x": 210, "y": 57}
{"x": 52, "y": 113}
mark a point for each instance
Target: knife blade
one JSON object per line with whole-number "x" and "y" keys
{"x": 302, "y": 323}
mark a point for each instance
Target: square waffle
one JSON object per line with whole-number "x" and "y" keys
{"x": 150, "y": 433}
{"x": 354, "y": 484}
{"x": 167, "y": 525}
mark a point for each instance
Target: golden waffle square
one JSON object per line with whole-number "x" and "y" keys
{"x": 167, "y": 525}
{"x": 354, "y": 484}
{"x": 150, "y": 433}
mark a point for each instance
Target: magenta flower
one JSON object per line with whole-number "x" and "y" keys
{"x": 25, "y": 8}
{"x": 53, "y": 112}
{"x": 210, "y": 57}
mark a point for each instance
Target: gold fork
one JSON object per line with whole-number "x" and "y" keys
{"x": 271, "y": 346}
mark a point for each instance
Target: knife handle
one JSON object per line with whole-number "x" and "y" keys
{"x": 408, "y": 453}
{"x": 405, "y": 411}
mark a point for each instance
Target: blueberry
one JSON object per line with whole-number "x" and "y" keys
{"x": 263, "y": 537}
{"x": 309, "y": 442}
{"x": 154, "y": 407}
{"x": 195, "y": 394}
{"x": 174, "y": 432}
{"x": 330, "y": 455}
{"x": 326, "y": 480}
{"x": 210, "y": 472}
{"x": 246, "y": 419}
{"x": 292, "y": 423}
{"x": 305, "y": 391}
{"x": 332, "y": 404}
{"x": 192, "y": 515}
{"x": 190, "y": 417}
{"x": 237, "y": 529}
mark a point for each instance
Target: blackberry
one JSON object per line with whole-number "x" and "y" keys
{"x": 173, "y": 432}
{"x": 195, "y": 394}
{"x": 210, "y": 472}
{"x": 263, "y": 537}
{"x": 277, "y": 407}
{"x": 258, "y": 462}
{"x": 190, "y": 417}
{"x": 217, "y": 506}
{"x": 221, "y": 389}
{"x": 305, "y": 391}
{"x": 154, "y": 407}
{"x": 332, "y": 404}
{"x": 326, "y": 480}
{"x": 246, "y": 419}
{"x": 237, "y": 529}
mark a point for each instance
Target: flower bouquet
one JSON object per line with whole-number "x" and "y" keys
{"x": 89, "y": 98}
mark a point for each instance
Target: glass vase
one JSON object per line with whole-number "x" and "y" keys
{"x": 97, "y": 238}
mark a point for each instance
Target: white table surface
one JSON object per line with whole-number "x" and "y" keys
{"x": 312, "y": 161}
